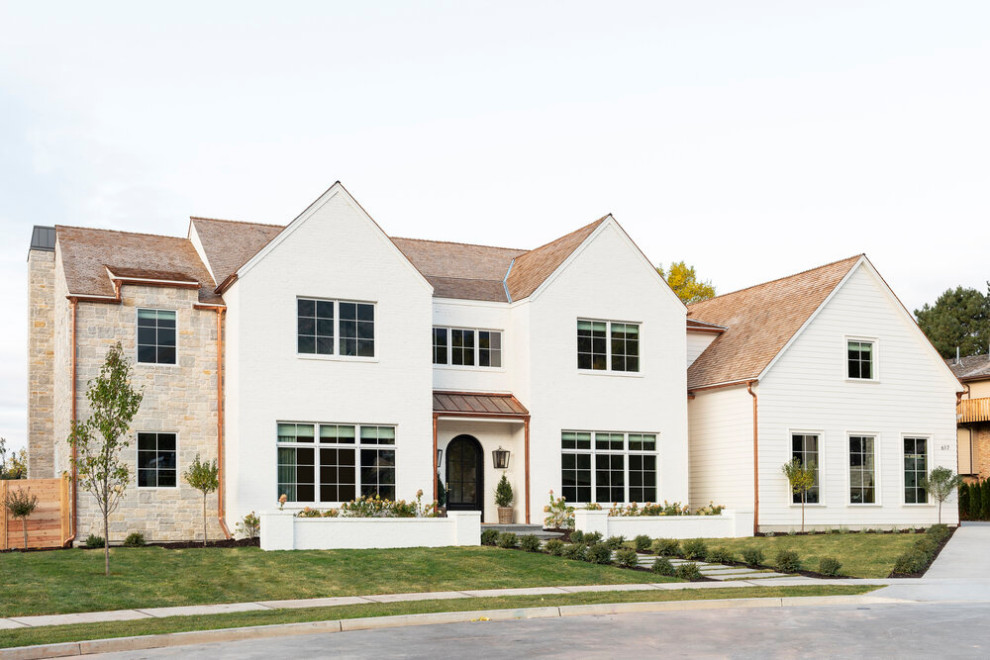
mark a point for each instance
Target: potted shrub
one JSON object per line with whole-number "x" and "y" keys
{"x": 503, "y": 499}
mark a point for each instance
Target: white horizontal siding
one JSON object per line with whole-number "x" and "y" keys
{"x": 697, "y": 342}
{"x": 720, "y": 424}
{"x": 807, "y": 390}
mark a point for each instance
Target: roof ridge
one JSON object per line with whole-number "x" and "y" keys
{"x": 571, "y": 233}
{"x": 429, "y": 240}
{"x": 121, "y": 231}
{"x": 238, "y": 222}
{"x": 779, "y": 279}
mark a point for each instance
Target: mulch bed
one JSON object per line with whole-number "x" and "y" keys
{"x": 172, "y": 545}
{"x": 938, "y": 551}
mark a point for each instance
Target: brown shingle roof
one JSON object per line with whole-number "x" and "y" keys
{"x": 760, "y": 321}
{"x": 88, "y": 253}
{"x": 533, "y": 268}
{"x": 474, "y": 404}
{"x": 972, "y": 367}
{"x": 460, "y": 270}
{"x": 229, "y": 244}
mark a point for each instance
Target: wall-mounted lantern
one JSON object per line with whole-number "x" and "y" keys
{"x": 439, "y": 458}
{"x": 501, "y": 458}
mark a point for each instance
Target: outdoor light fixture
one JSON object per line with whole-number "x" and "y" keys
{"x": 501, "y": 458}
{"x": 439, "y": 458}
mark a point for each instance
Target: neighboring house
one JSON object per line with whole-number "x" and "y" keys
{"x": 325, "y": 360}
{"x": 973, "y": 415}
{"x": 829, "y": 367}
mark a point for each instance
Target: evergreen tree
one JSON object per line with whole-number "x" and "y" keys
{"x": 960, "y": 318}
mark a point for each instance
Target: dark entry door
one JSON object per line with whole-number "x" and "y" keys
{"x": 465, "y": 474}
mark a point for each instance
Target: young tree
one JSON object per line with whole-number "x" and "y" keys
{"x": 684, "y": 281}
{"x": 204, "y": 477}
{"x": 801, "y": 478}
{"x": 960, "y": 319}
{"x": 98, "y": 439}
{"x": 941, "y": 483}
{"x": 21, "y": 504}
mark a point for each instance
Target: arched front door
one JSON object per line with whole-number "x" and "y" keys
{"x": 465, "y": 475}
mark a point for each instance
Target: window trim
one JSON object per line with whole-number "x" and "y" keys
{"x": 625, "y": 452}
{"x": 357, "y": 446}
{"x": 822, "y": 490}
{"x": 477, "y": 349}
{"x": 877, "y": 482}
{"x": 929, "y": 446}
{"x": 874, "y": 365}
{"x": 137, "y": 311}
{"x": 137, "y": 450}
{"x": 608, "y": 347}
{"x": 336, "y": 355}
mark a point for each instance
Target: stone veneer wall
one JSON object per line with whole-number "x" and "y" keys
{"x": 179, "y": 398}
{"x": 41, "y": 364}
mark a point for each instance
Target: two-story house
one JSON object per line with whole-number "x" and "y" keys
{"x": 973, "y": 415}
{"x": 325, "y": 360}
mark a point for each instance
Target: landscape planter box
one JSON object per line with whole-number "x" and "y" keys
{"x": 282, "y": 530}
{"x": 727, "y": 524}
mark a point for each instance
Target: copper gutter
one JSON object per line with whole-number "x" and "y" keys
{"x": 220, "y": 471}
{"x": 756, "y": 459}
{"x": 73, "y": 303}
{"x": 436, "y": 468}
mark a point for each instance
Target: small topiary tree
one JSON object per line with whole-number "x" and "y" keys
{"x": 204, "y": 477}
{"x": 21, "y": 504}
{"x": 941, "y": 483}
{"x": 503, "y": 492}
{"x": 801, "y": 478}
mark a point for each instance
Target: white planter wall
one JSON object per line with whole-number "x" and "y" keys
{"x": 729, "y": 524}
{"x": 282, "y": 530}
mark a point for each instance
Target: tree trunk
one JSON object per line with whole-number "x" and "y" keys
{"x": 106, "y": 544}
{"x": 940, "y": 512}
{"x": 24, "y": 526}
{"x": 804, "y": 497}
{"x": 204, "y": 520}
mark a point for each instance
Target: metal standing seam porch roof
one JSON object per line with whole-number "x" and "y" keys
{"x": 473, "y": 404}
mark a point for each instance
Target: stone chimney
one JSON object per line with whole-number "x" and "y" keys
{"x": 41, "y": 354}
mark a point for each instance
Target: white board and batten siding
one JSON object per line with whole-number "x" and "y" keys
{"x": 721, "y": 448}
{"x": 807, "y": 390}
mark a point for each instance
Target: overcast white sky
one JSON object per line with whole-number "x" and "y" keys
{"x": 752, "y": 139}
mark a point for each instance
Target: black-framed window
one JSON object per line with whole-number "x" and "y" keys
{"x": 489, "y": 348}
{"x": 440, "y": 345}
{"x": 332, "y": 327}
{"x": 156, "y": 336}
{"x": 357, "y": 329}
{"x": 608, "y": 467}
{"x": 915, "y": 470}
{"x": 862, "y": 470}
{"x": 861, "y": 359}
{"x": 804, "y": 447}
{"x": 608, "y": 346}
{"x": 462, "y": 347}
{"x": 315, "y": 326}
{"x": 610, "y": 478}
{"x": 156, "y": 460}
{"x": 467, "y": 347}
{"x": 642, "y": 478}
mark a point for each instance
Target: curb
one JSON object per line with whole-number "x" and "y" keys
{"x": 144, "y": 642}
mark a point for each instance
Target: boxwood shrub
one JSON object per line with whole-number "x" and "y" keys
{"x": 643, "y": 543}
{"x": 626, "y": 557}
{"x": 753, "y": 556}
{"x": 787, "y": 561}
{"x": 667, "y": 547}
{"x": 530, "y": 543}
{"x": 662, "y": 566}
{"x": 489, "y": 537}
{"x": 688, "y": 571}
{"x": 599, "y": 553}
{"x": 554, "y": 547}
{"x": 695, "y": 549}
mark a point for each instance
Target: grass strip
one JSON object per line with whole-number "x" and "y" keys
{"x": 86, "y": 631}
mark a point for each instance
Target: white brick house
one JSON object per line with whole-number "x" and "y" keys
{"x": 349, "y": 359}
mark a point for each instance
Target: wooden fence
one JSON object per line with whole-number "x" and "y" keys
{"x": 51, "y": 523}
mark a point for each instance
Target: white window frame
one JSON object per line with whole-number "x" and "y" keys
{"x": 877, "y": 484}
{"x": 336, "y": 355}
{"x": 477, "y": 349}
{"x": 608, "y": 347}
{"x": 137, "y": 464}
{"x": 316, "y": 446}
{"x": 167, "y": 365}
{"x": 874, "y": 352}
{"x": 929, "y": 447}
{"x": 625, "y": 452}
{"x": 821, "y": 466}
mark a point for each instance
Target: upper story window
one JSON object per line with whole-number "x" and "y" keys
{"x": 156, "y": 336}
{"x": 467, "y": 347}
{"x": 861, "y": 359}
{"x": 607, "y": 345}
{"x": 333, "y": 327}
{"x": 156, "y": 460}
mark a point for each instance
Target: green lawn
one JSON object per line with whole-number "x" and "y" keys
{"x": 65, "y": 581}
{"x": 862, "y": 555}
{"x": 78, "y": 632}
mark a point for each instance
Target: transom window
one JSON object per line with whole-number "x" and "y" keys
{"x": 862, "y": 470}
{"x": 915, "y": 470}
{"x": 156, "y": 460}
{"x": 467, "y": 347}
{"x": 333, "y": 327}
{"x": 335, "y": 462}
{"x": 804, "y": 447}
{"x": 861, "y": 356}
{"x": 608, "y": 467}
{"x": 156, "y": 336}
{"x": 607, "y": 345}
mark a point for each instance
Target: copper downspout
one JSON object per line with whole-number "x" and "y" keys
{"x": 220, "y": 471}
{"x": 527, "y": 470}
{"x": 756, "y": 459}
{"x": 436, "y": 468}
{"x": 73, "y": 302}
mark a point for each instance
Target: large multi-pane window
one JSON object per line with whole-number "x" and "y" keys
{"x": 607, "y": 345}
{"x": 861, "y": 360}
{"x": 335, "y": 462}
{"x": 608, "y": 467}
{"x": 915, "y": 470}
{"x": 156, "y": 336}
{"x": 862, "y": 470}
{"x": 804, "y": 447}
{"x": 332, "y": 327}
{"x": 467, "y": 347}
{"x": 156, "y": 460}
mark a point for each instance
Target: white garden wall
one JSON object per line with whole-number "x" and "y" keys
{"x": 282, "y": 530}
{"x": 728, "y": 524}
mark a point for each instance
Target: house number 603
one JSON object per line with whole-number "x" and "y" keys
{"x": 945, "y": 447}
